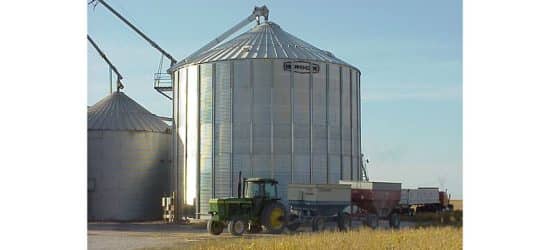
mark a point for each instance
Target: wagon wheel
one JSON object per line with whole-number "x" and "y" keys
{"x": 214, "y": 227}
{"x": 318, "y": 224}
{"x": 395, "y": 220}
{"x": 344, "y": 222}
{"x": 372, "y": 220}
{"x": 293, "y": 223}
{"x": 293, "y": 226}
{"x": 274, "y": 217}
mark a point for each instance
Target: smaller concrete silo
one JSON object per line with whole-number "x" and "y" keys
{"x": 128, "y": 161}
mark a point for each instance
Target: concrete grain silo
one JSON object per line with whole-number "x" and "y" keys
{"x": 270, "y": 105}
{"x": 128, "y": 161}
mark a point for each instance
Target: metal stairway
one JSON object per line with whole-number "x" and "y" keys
{"x": 163, "y": 84}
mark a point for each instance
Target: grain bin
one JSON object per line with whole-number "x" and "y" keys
{"x": 270, "y": 105}
{"x": 128, "y": 161}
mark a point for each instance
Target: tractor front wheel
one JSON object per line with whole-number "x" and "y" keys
{"x": 236, "y": 227}
{"x": 214, "y": 227}
{"x": 274, "y": 217}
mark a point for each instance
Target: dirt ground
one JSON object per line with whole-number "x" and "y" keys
{"x": 149, "y": 235}
{"x": 146, "y": 235}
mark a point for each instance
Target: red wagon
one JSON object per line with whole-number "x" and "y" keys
{"x": 372, "y": 201}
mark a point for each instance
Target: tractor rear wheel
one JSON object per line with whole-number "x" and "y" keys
{"x": 236, "y": 227}
{"x": 274, "y": 217}
{"x": 214, "y": 227}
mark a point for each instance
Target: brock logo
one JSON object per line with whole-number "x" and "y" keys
{"x": 301, "y": 67}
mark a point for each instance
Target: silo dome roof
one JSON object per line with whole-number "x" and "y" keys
{"x": 266, "y": 40}
{"x": 117, "y": 111}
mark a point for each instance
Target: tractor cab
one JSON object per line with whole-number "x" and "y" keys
{"x": 261, "y": 188}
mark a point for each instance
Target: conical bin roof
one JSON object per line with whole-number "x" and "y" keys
{"x": 265, "y": 41}
{"x": 117, "y": 111}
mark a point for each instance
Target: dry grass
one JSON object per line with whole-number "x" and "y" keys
{"x": 422, "y": 238}
{"x": 457, "y": 204}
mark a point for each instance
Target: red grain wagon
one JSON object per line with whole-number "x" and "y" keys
{"x": 373, "y": 201}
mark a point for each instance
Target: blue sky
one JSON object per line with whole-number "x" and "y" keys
{"x": 409, "y": 52}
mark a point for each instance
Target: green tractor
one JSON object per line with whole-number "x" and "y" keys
{"x": 256, "y": 208}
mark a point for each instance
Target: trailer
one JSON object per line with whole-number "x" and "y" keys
{"x": 317, "y": 204}
{"x": 373, "y": 201}
{"x": 424, "y": 199}
{"x": 368, "y": 202}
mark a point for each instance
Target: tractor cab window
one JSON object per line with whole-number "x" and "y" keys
{"x": 271, "y": 190}
{"x": 261, "y": 189}
{"x": 254, "y": 190}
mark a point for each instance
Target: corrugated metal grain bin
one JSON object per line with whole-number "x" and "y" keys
{"x": 270, "y": 105}
{"x": 128, "y": 161}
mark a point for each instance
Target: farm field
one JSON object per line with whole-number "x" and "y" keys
{"x": 457, "y": 204}
{"x": 422, "y": 238}
{"x": 423, "y": 231}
